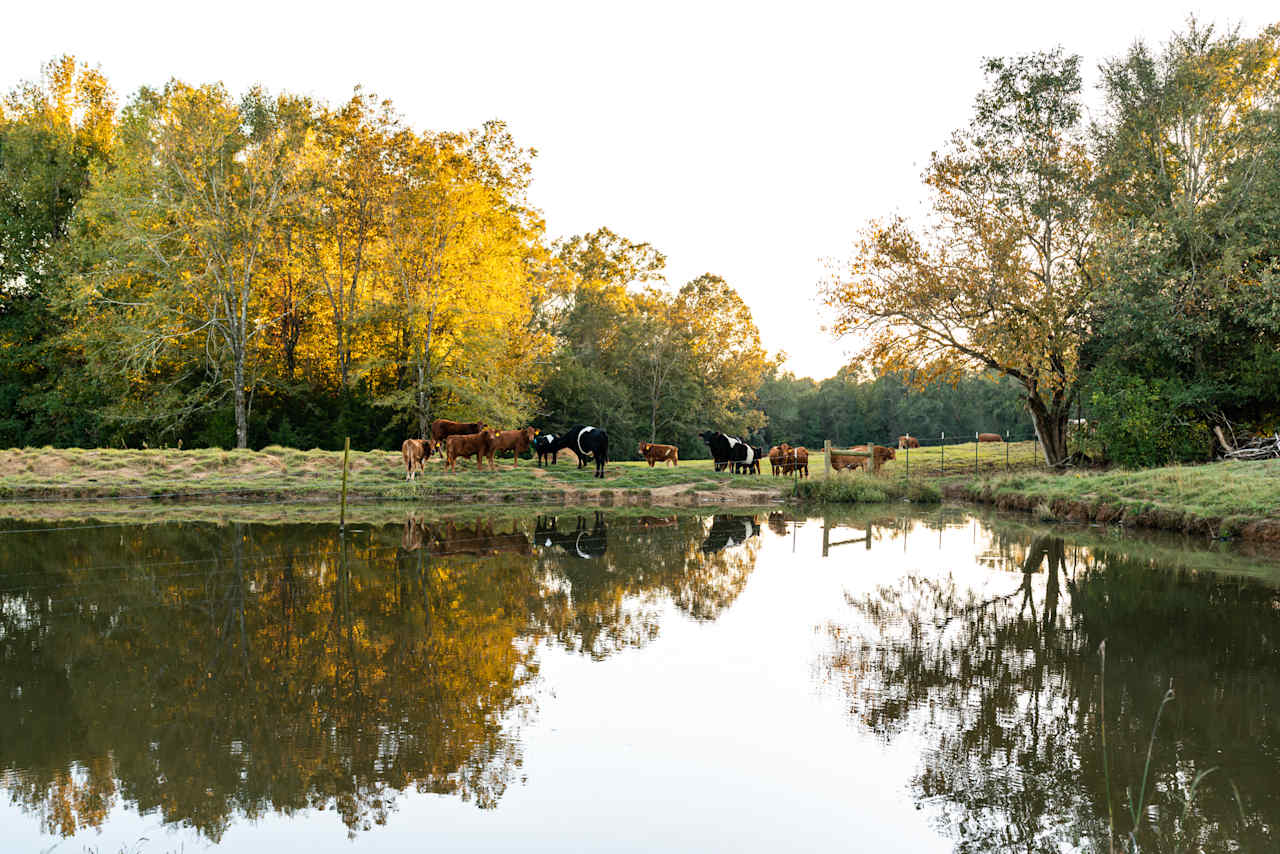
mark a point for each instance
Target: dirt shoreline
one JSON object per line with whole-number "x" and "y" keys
{"x": 675, "y": 495}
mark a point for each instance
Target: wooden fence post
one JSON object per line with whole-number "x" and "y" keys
{"x": 342, "y": 513}
{"x": 826, "y": 458}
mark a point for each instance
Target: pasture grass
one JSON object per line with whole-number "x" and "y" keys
{"x": 278, "y": 472}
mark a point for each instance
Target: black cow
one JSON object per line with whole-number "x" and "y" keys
{"x": 541, "y": 447}
{"x": 584, "y": 441}
{"x": 579, "y": 543}
{"x": 727, "y": 451}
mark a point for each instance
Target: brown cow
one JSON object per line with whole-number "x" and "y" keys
{"x": 841, "y": 461}
{"x": 515, "y": 440}
{"x": 415, "y": 453}
{"x": 775, "y": 459}
{"x": 797, "y": 460}
{"x": 442, "y": 428}
{"x": 908, "y": 441}
{"x": 657, "y": 453}
{"x": 480, "y": 445}
{"x": 990, "y": 437}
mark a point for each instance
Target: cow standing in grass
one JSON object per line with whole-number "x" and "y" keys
{"x": 515, "y": 440}
{"x": 658, "y": 453}
{"x": 479, "y": 445}
{"x": 415, "y": 453}
{"x": 908, "y": 441}
{"x": 990, "y": 437}
{"x": 728, "y": 451}
{"x": 793, "y": 460}
{"x": 542, "y": 447}
{"x": 442, "y": 428}
{"x": 879, "y": 453}
{"x": 585, "y": 441}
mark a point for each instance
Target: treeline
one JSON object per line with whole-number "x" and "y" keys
{"x": 219, "y": 271}
{"x": 1128, "y": 266}
{"x": 850, "y": 410}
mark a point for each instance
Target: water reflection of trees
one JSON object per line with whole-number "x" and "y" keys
{"x": 1002, "y": 687}
{"x": 214, "y": 672}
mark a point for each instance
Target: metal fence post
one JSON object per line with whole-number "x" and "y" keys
{"x": 975, "y": 453}
{"x": 1006, "y": 451}
{"x": 943, "y": 447}
{"x": 826, "y": 459}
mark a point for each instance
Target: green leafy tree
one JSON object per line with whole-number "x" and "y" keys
{"x": 52, "y": 133}
{"x": 1003, "y": 278}
{"x": 1188, "y": 181}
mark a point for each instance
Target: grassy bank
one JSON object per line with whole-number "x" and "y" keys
{"x": 1226, "y": 499}
{"x": 860, "y": 488}
{"x": 275, "y": 473}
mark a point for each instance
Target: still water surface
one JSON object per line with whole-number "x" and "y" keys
{"x": 579, "y": 681}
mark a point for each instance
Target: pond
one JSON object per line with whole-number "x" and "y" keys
{"x": 576, "y": 680}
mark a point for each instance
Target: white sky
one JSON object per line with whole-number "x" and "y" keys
{"x": 748, "y": 140}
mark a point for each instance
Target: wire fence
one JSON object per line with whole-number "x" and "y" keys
{"x": 943, "y": 455}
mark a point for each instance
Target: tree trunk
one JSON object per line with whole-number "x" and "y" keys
{"x": 242, "y": 414}
{"x": 421, "y": 399}
{"x": 1051, "y": 426}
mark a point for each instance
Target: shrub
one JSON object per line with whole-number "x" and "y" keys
{"x": 857, "y": 488}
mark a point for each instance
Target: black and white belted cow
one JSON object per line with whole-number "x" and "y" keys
{"x": 728, "y": 451}
{"x": 585, "y": 442}
{"x": 541, "y": 447}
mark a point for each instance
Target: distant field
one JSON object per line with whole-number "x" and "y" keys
{"x": 947, "y": 460}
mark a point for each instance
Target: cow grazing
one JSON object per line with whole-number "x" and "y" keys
{"x": 415, "y": 453}
{"x": 990, "y": 437}
{"x": 908, "y": 441}
{"x": 658, "y": 453}
{"x": 479, "y": 445}
{"x": 728, "y": 451}
{"x": 584, "y": 441}
{"x": 541, "y": 447}
{"x": 515, "y": 440}
{"x": 442, "y": 428}
{"x": 880, "y": 453}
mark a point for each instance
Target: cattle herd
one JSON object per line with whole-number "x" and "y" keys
{"x": 454, "y": 440}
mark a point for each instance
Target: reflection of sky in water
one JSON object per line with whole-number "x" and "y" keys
{"x": 724, "y": 734}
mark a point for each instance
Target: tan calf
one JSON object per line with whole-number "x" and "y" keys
{"x": 658, "y": 453}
